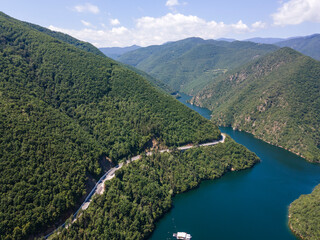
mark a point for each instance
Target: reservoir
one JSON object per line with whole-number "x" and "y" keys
{"x": 250, "y": 204}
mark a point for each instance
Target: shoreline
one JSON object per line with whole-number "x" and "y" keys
{"x": 260, "y": 138}
{"x": 295, "y": 233}
{"x": 99, "y": 186}
{"x": 273, "y": 144}
{"x": 231, "y": 170}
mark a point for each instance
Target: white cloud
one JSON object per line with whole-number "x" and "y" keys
{"x": 171, "y": 3}
{"x": 177, "y": 26}
{"x": 240, "y": 26}
{"x": 119, "y": 30}
{"x": 297, "y": 11}
{"x": 87, "y": 24}
{"x": 258, "y": 25}
{"x": 87, "y": 7}
{"x": 114, "y": 22}
{"x": 151, "y": 30}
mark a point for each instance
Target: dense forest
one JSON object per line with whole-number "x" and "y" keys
{"x": 189, "y": 65}
{"x": 154, "y": 81}
{"x": 142, "y": 191}
{"x": 64, "y": 108}
{"x": 304, "y": 215}
{"x": 88, "y": 47}
{"x": 276, "y": 98}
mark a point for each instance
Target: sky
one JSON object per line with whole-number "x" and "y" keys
{"x": 120, "y": 23}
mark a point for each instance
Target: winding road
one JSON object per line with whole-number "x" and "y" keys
{"x": 99, "y": 187}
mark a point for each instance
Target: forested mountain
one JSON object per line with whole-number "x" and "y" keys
{"x": 62, "y": 109}
{"x": 309, "y": 45}
{"x": 189, "y": 65}
{"x": 276, "y": 98}
{"x": 154, "y": 81}
{"x": 68, "y": 39}
{"x": 115, "y": 52}
{"x": 109, "y": 52}
{"x": 304, "y": 215}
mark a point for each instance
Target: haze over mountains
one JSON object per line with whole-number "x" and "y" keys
{"x": 115, "y": 52}
{"x": 308, "y": 45}
{"x": 265, "y": 40}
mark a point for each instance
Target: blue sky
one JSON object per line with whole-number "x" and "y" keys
{"x": 107, "y": 23}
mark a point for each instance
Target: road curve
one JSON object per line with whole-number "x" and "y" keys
{"x": 99, "y": 187}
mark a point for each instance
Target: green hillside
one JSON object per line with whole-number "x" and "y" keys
{"x": 189, "y": 65}
{"x": 142, "y": 191}
{"x": 110, "y": 52}
{"x": 276, "y": 98}
{"x": 309, "y": 45}
{"x": 62, "y": 109}
{"x": 68, "y": 39}
{"x": 154, "y": 81}
{"x": 304, "y": 215}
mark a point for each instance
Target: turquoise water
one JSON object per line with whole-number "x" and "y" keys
{"x": 250, "y": 204}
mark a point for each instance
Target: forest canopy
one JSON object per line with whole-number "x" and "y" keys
{"x": 142, "y": 191}
{"x": 64, "y": 108}
{"x": 276, "y": 98}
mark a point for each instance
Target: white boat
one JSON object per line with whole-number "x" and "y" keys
{"x": 182, "y": 235}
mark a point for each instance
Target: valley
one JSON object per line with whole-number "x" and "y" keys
{"x": 275, "y": 97}
{"x": 256, "y": 198}
{"x": 115, "y": 124}
{"x": 190, "y": 64}
{"x": 63, "y": 108}
{"x": 270, "y": 92}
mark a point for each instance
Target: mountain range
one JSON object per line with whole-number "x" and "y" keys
{"x": 276, "y": 97}
{"x": 189, "y": 65}
{"x": 199, "y": 67}
{"x": 265, "y": 40}
{"x": 273, "y": 95}
{"x": 67, "y": 112}
{"x": 308, "y": 45}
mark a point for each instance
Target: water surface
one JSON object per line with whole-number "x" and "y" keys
{"x": 250, "y": 204}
